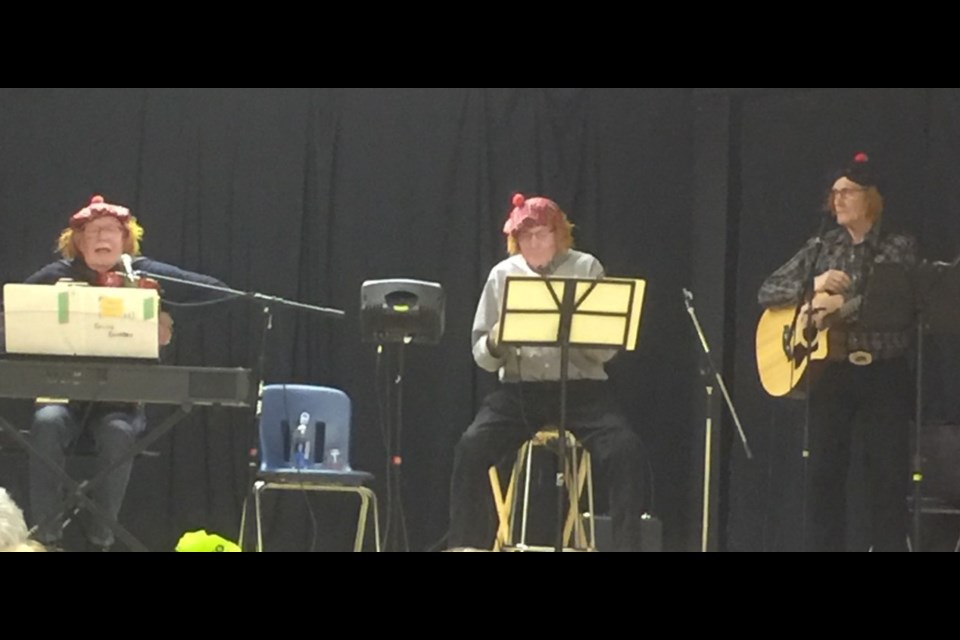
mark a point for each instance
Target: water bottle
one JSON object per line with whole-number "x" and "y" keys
{"x": 301, "y": 443}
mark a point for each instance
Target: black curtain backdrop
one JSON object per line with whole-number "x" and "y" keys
{"x": 306, "y": 193}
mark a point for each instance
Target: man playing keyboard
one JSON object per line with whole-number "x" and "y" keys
{"x": 91, "y": 248}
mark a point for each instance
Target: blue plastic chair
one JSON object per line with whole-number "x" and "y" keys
{"x": 325, "y": 413}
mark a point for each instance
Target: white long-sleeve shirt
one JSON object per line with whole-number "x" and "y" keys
{"x": 536, "y": 364}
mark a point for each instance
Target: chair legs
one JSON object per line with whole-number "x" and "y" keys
{"x": 243, "y": 519}
{"x": 366, "y": 495}
{"x": 255, "y": 491}
{"x": 366, "y": 498}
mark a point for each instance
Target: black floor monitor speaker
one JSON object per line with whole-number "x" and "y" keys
{"x": 401, "y": 310}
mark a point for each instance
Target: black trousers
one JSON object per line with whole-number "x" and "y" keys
{"x": 510, "y": 416}
{"x": 872, "y": 404}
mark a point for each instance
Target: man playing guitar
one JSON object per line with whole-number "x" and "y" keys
{"x": 865, "y": 392}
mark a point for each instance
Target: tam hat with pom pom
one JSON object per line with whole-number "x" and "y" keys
{"x": 97, "y": 209}
{"x": 860, "y": 170}
{"x": 534, "y": 211}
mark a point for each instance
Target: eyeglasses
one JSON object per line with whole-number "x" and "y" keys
{"x": 846, "y": 193}
{"x": 94, "y": 232}
{"x": 539, "y": 234}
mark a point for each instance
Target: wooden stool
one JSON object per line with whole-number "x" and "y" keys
{"x": 577, "y": 473}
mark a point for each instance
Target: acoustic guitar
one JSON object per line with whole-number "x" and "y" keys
{"x": 782, "y": 348}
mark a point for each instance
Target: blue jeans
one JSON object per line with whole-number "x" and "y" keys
{"x": 55, "y": 427}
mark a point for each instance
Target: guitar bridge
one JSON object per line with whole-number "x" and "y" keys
{"x": 797, "y": 352}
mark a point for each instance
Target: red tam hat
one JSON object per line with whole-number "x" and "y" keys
{"x": 96, "y": 209}
{"x": 531, "y": 211}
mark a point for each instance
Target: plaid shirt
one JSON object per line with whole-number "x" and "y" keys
{"x": 785, "y": 286}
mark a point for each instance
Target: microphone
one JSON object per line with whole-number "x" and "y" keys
{"x": 128, "y": 267}
{"x": 825, "y": 220}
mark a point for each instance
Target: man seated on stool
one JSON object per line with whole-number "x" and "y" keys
{"x": 92, "y": 246}
{"x": 540, "y": 241}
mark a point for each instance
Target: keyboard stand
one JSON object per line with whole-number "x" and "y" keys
{"x": 77, "y": 497}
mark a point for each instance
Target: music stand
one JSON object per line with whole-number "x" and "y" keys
{"x": 938, "y": 293}
{"x": 590, "y": 313}
{"x": 927, "y": 300}
{"x": 398, "y": 311}
{"x": 889, "y": 302}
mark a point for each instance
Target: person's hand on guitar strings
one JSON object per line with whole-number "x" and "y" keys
{"x": 832, "y": 281}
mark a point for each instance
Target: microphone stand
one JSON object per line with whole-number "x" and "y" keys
{"x": 268, "y": 300}
{"x": 809, "y": 335}
{"x": 260, "y": 373}
{"x": 710, "y": 374}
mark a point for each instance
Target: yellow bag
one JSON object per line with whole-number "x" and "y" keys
{"x": 203, "y": 541}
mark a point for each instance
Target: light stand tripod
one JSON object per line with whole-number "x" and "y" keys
{"x": 396, "y": 313}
